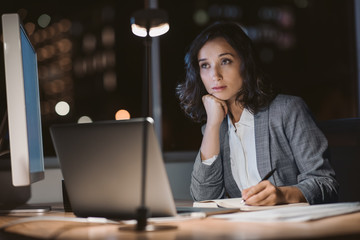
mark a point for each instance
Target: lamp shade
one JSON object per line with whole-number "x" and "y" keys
{"x": 149, "y": 21}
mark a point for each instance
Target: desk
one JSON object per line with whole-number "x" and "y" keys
{"x": 339, "y": 227}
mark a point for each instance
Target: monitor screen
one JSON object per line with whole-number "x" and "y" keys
{"x": 23, "y": 103}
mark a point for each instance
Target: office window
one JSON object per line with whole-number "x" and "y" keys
{"x": 91, "y": 65}
{"x": 307, "y": 47}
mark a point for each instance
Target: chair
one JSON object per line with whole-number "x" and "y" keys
{"x": 344, "y": 144}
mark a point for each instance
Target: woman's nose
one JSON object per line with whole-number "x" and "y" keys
{"x": 216, "y": 74}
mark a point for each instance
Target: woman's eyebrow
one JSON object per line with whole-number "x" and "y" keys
{"x": 220, "y": 55}
{"x": 223, "y": 54}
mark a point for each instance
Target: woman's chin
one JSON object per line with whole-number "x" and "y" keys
{"x": 220, "y": 96}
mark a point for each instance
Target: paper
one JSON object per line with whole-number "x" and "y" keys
{"x": 238, "y": 203}
{"x": 294, "y": 214}
{"x": 215, "y": 203}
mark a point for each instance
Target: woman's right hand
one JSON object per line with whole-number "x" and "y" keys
{"x": 216, "y": 109}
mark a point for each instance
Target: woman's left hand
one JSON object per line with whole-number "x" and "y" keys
{"x": 265, "y": 193}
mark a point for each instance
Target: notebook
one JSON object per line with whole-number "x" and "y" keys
{"x": 101, "y": 165}
{"x": 240, "y": 204}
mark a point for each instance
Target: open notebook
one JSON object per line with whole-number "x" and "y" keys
{"x": 239, "y": 204}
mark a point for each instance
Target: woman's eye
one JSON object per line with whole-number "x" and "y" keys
{"x": 225, "y": 61}
{"x": 204, "y": 65}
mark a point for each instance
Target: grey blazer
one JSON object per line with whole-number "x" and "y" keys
{"x": 287, "y": 139}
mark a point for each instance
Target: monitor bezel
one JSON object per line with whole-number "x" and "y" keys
{"x": 16, "y": 108}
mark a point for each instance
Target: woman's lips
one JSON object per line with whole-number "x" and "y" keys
{"x": 218, "y": 89}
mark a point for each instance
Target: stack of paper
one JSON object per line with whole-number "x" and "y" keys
{"x": 294, "y": 214}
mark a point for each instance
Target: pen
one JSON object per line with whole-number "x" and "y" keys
{"x": 266, "y": 177}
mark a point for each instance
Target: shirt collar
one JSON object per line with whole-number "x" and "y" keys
{"x": 246, "y": 119}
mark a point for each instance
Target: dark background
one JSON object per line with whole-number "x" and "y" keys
{"x": 306, "y": 46}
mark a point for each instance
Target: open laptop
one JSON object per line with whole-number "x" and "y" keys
{"x": 101, "y": 165}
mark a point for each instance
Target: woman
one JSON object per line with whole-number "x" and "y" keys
{"x": 250, "y": 130}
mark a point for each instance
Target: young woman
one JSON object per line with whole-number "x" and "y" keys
{"x": 250, "y": 130}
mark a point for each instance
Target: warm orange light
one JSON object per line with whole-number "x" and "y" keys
{"x": 122, "y": 114}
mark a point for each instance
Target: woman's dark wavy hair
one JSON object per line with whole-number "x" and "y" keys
{"x": 255, "y": 93}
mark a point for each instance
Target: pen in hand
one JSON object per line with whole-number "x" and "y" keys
{"x": 266, "y": 177}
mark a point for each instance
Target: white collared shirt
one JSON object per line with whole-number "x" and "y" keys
{"x": 242, "y": 151}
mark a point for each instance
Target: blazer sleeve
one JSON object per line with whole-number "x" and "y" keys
{"x": 316, "y": 179}
{"x": 207, "y": 181}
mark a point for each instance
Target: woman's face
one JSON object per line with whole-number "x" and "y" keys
{"x": 220, "y": 69}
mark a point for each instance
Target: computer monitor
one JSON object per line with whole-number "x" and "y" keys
{"x": 23, "y": 103}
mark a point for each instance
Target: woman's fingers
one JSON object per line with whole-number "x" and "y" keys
{"x": 264, "y": 193}
{"x": 216, "y": 109}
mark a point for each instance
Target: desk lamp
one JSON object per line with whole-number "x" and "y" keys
{"x": 147, "y": 23}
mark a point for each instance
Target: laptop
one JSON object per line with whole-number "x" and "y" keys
{"x": 101, "y": 164}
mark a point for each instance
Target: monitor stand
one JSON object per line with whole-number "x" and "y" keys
{"x": 24, "y": 209}
{"x": 13, "y": 199}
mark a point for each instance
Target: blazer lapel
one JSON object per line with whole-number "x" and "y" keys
{"x": 231, "y": 186}
{"x": 262, "y": 142}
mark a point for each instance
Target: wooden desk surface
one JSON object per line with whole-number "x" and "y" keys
{"x": 339, "y": 227}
